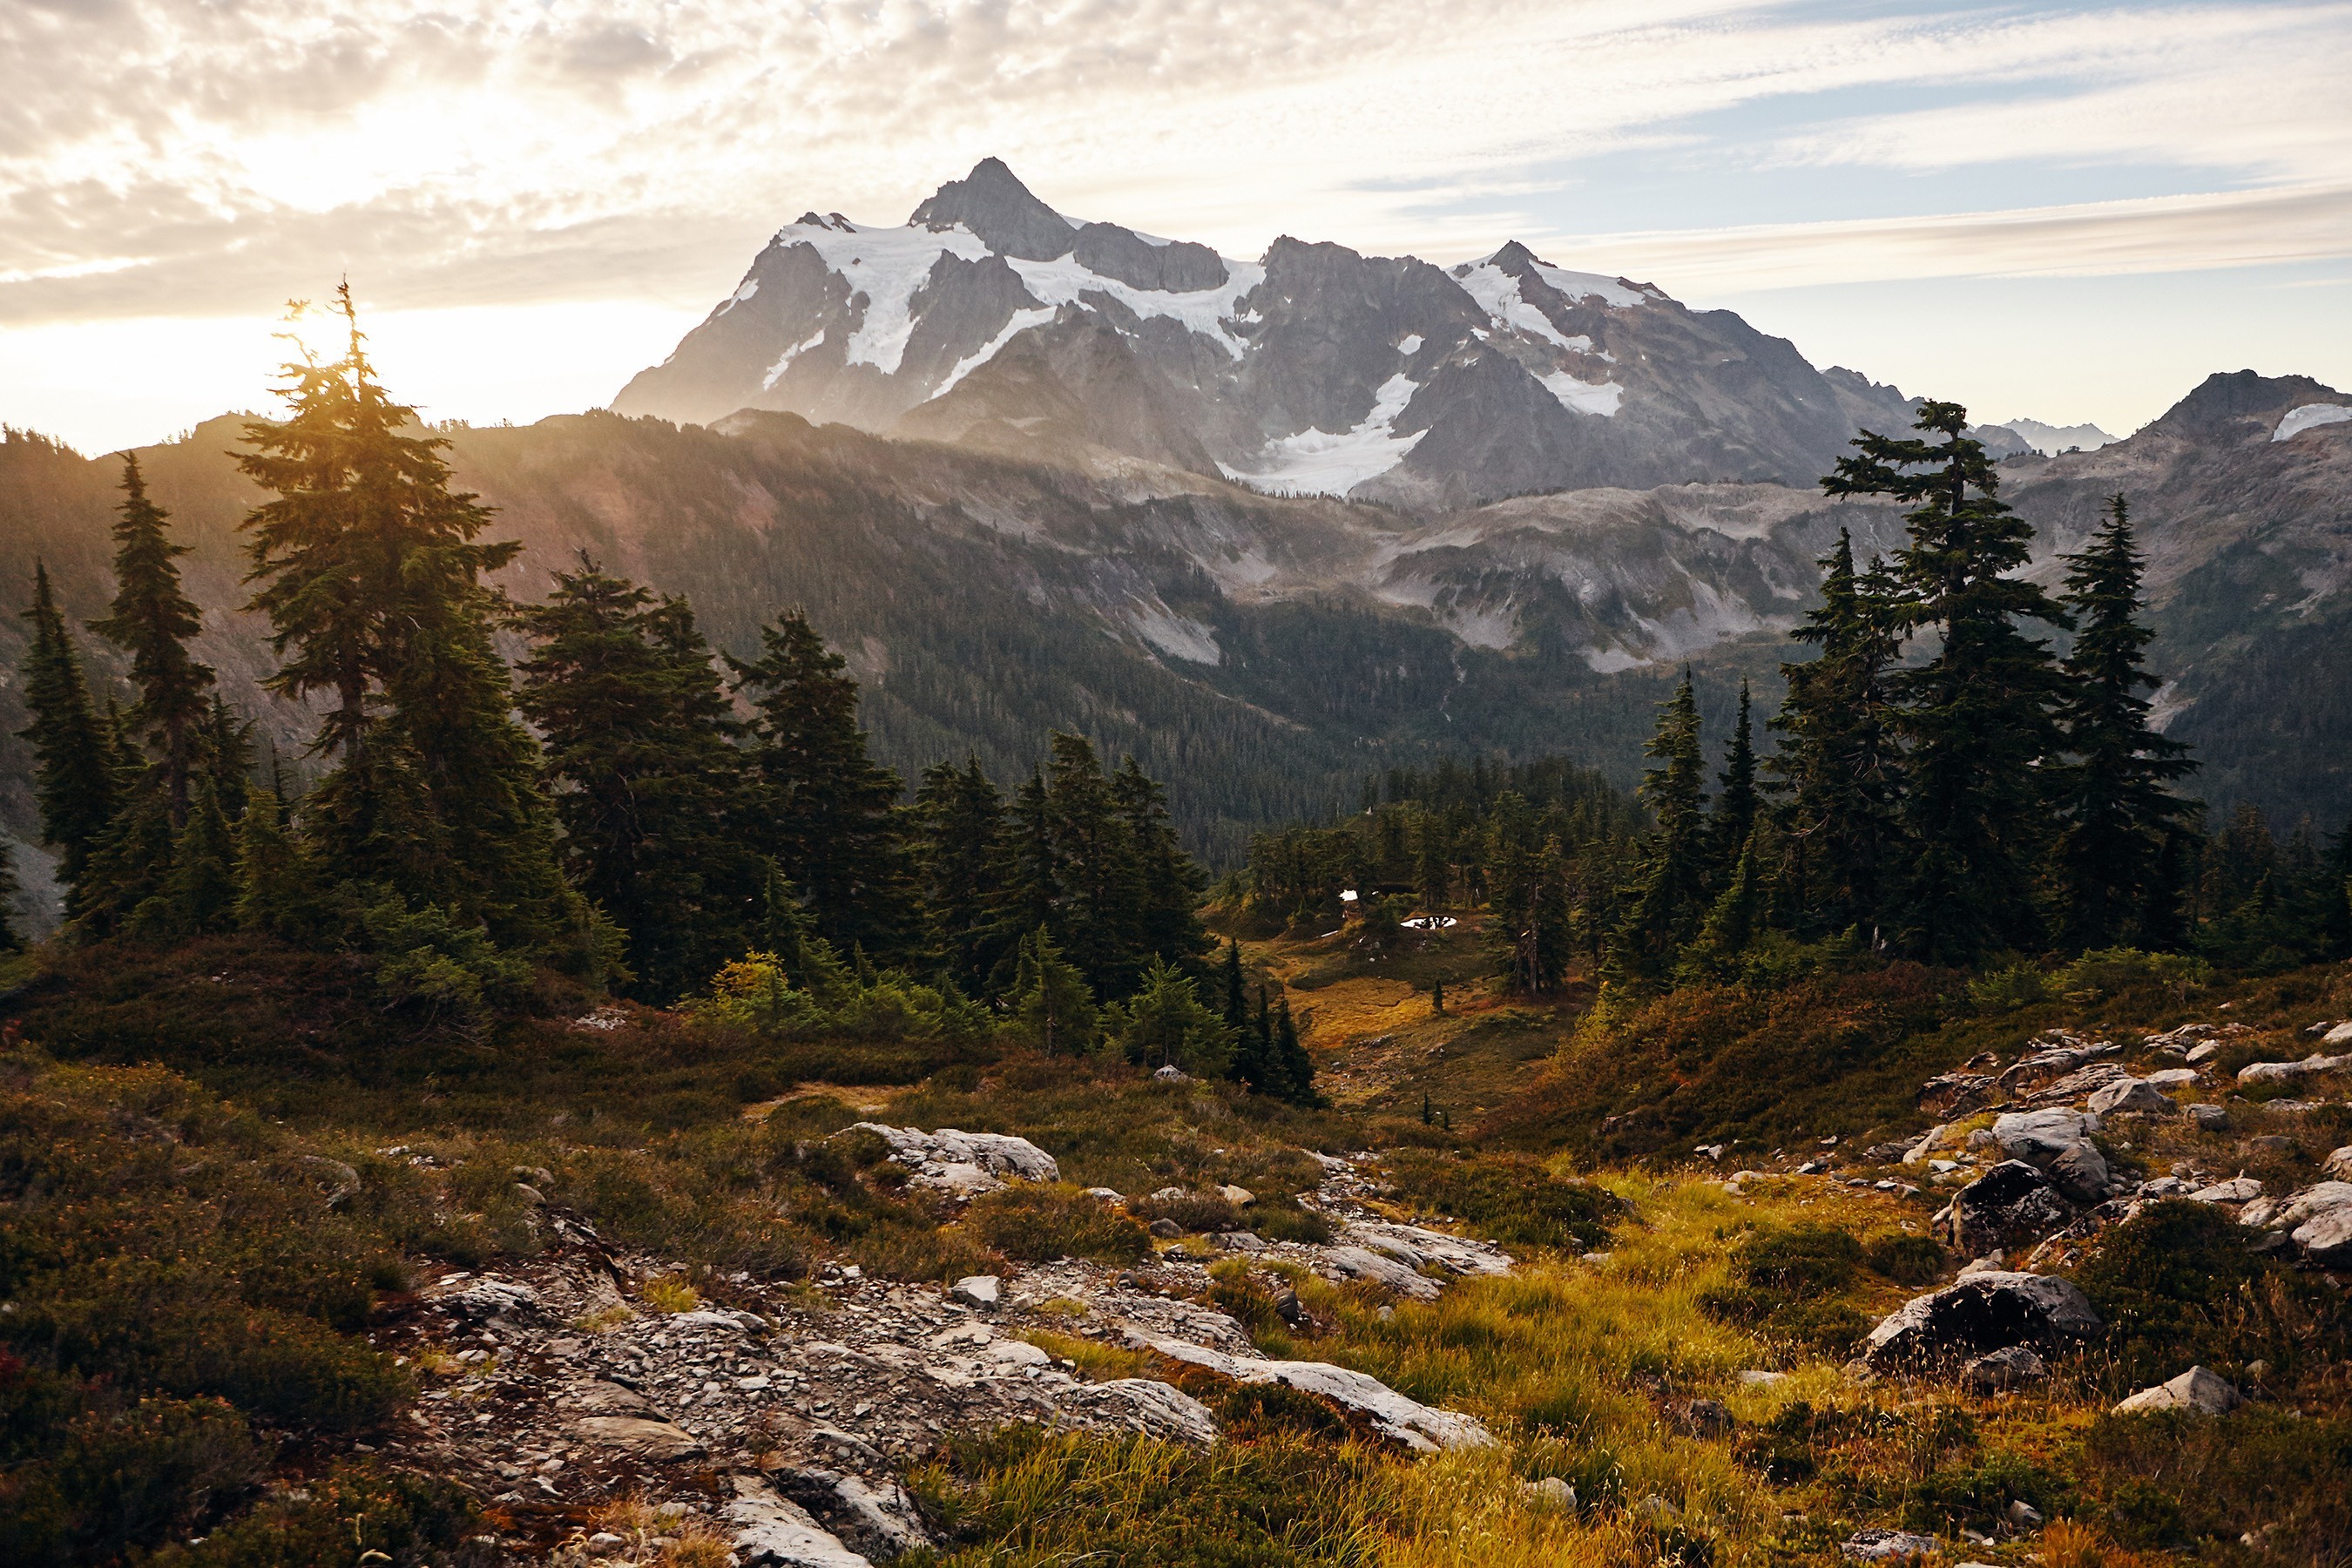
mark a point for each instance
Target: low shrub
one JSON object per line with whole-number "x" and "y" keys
{"x": 1506, "y": 1199}
{"x": 2195, "y": 1484}
{"x": 1197, "y": 1214}
{"x": 1785, "y": 1283}
{"x": 356, "y": 1513}
{"x": 87, "y": 1488}
{"x": 1904, "y": 1259}
{"x": 1039, "y": 1222}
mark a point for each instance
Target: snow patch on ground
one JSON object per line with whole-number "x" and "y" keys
{"x": 1206, "y": 312}
{"x": 1589, "y": 285}
{"x": 1497, "y": 293}
{"x": 1317, "y": 462}
{"x": 1410, "y": 345}
{"x": 1021, "y": 322}
{"x": 776, "y": 371}
{"x": 885, "y": 265}
{"x": 2310, "y": 417}
{"x": 1583, "y": 396}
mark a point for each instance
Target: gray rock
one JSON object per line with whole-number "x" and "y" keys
{"x": 1362, "y": 1263}
{"x": 1166, "y": 1229}
{"x": 2195, "y": 1390}
{"x": 2133, "y": 1095}
{"x": 994, "y": 204}
{"x": 1706, "y": 1419}
{"x": 639, "y": 1435}
{"x": 1172, "y": 1074}
{"x": 2237, "y": 1190}
{"x": 978, "y": 1290}
{"x": 1177, "y": 267}
{"x": 1407, "y": 1421}
{"x": 773, "y": 1531}
{"x": 1154, "y": 1408}
{"x": 1879, "y": 1545}
{"x": 2081, "y": 1173}
{"x": 2038, "y": 1137}
{"x": 1549, "y": 1494}
{"x": 2318, "y": 1220}
{"x": 1982, "y": 1312}
{"x": 2012, "y": 1366}
{"x": 1240, "y": 1241}
{"x": 2023, "y": 1515}
{"x": 2280, "y": 1072}
{"x": 2009, "y": 1204}
{"x": 2209, "y": 1118}
{"x": 2338, "y": 1164}
{"x": 958, "y": 1161}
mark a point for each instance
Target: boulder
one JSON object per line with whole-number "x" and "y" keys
{"x": 2172, "y": 1077}
{"x": 2338, "y": 1035}
{"x": 964, "y": 1162}
{"x": 1154, "y": 1408}
{"x": 2318, "y": 1220}
{"x": 2039, "y": 1137}
{"x": 2011, "y": 1366}
{"x": 1986, "y": 1311}
{"x": 2009, "y": 1203}
{"x": 1551, "y": 1494}
{"x": 491, "y": 1298}
{"x": 2081, "y": 1173}
{"x": 2133, "y": 1096}
{"x": 976, "y": 1289}
{"x": 773, "y": 1531}
{"x": 1407, "y": 1421}
{"x": 1956, "y": 1093}
{"x": 1240, "y": 1198}
{"x": 1240, "y": 1241}
{"x": 2209, "y": 1118}
{"x": 641, "y": 1435}
{"x": 2339, "y": 1164}
{"x": 1362, "y": 1263}
{"x": 2236, "y": 1190}
{"x": 2195, "y": 1390}
{"x": 2280, "y": 1072}
{"x": 1879, "y": 1545}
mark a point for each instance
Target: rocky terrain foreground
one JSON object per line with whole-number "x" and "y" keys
{"x": 781, "y": 1420}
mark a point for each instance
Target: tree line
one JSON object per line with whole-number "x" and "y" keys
{"x": 1945, "y": 786}
{"x": 624, "y": 804}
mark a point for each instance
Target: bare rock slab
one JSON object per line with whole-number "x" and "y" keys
{"x": 1986, "y": 1311}
{"x": 2195, "y": 1390}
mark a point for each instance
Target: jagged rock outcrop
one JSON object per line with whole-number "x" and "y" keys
{"x": 1981, "y": 1312}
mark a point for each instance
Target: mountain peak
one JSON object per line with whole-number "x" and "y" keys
{"x": 1515, "y": 259}
{"x": 2242, "y": 405}
{"x": 994, "y": 204}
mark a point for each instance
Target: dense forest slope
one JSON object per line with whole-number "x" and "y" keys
{"x": 1263, "y": 654}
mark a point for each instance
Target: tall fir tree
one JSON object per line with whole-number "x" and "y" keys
{"x": 1166, "y": 923}
{"x": 1736, "y": 799}
{"x": 636, "y": 737}
{"x": 1839, "y": 768}
{"x": 1295, "y": 1067}
{"x": 961, "y": 850}
{"x": 152, "y": 619}
{"x": 12, "y": 893}
{"x": 1098, "y": 874}
{"x": 1978, "y": 714}
{"x": 1670, "y": 896}
{"x": 74, "y": 779}
{"x": 2116, "y": 809}
{"x": 823, "y": 810}
{"x": 371, "y": 569}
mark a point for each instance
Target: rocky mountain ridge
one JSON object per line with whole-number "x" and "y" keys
{"x": 990, "y": 318}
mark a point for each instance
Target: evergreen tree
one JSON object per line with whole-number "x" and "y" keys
{"x": 151, "y": 620}
{"x": 1165, "y": 1024}
{"x": 228, "y": 757}
{"x": 1230, "y": 987}
{"x": 962, "y": 852}
{"x": 824, "y": 811}
{"x": 73, "y": 761}
{"x": 1732, "y": 923}
{"x": 12, "y": 940}
{"x": 1433, "y": 859}
{"x": 200, "y": 894}
{"x": 1095, "y": 869}
{"x": 370, "y": 568}
{"x": 1166, "y": 922}
{"x": 1839, "y": 768}
{"x": 130, "y": 867}
{"x": 1670, "y": 899}
{"x": 1295, "y": 1067}
{"x": 280, "y": 887}
{"x": 2117, "y": 811}
{"x": 1978, "y": 716}
{"x": 1050, "y": 1002}
{"x": 1032, "y": 897}
{"x": 1735, "y": 807}
{"x": 639, "y": 757}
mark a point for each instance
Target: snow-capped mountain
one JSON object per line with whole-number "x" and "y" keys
{"x": 991, "y": 320}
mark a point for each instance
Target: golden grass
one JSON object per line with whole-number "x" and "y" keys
{"x": 1099, "y": 1361}
{"x": 670, "y": 1293}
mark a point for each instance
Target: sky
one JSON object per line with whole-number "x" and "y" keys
{"x": 2069, "y": 213}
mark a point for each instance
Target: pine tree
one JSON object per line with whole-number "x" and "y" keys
{"x": 1732, "y": 923}
{"x": 73, "y": 761}
{"x": 639, "y": 757}
{"x": 1166, "y": 923}
{"x": 1165, "y": 1024}
{"x": 2112, "y": 794}
{"x": 200, "y": 894}
{"x": 961, "y": 850}
{"x": 280, "y": 887}
{"x": 1096, "y": 868}
{"x": 1032, "y": 896}
{"x": 1050, "y": 1002}
{"x": 1839, "y": 768}
{"x": 1735, "y": 807}
{"x": 1231, "y": 988}
{"x": 152, "y": 619}
{"x": 1670, "y": 898}
{"x": 1977, "y": 715}
{"x": 1433, "y": 859}
{"x": 824, "y": 811}
{"x": 370, "y": 568}
{"x": 228, "y": 757}
{"x": 12, "y": 939}
{"x": 1297, "y": 1068}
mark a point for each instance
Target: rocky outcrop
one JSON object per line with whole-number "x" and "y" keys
{"x": 1987, "y": 1311}
{"x": 2195, "y": 1391}
{"x": 2317, "y": 1221}
{"x": 1407, "y": 1421}
{"x": 2009, "y": 1204}
{"x": 967, "y": 1162}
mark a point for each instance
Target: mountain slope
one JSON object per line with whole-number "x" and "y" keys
{"x": 1314, "y": 369}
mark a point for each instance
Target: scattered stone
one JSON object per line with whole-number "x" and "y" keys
{"x": 639, "y": 1435}
{"x": 1929, "y": 1142}
{"x": 1956, "y": 1093}
{"x": 1407, "y": 1421}
{"x": 2023, "y": 1515}
{"x": 2081, "y": 1173}
{"x": 1172, "y": 1074}
{"x": 1415, "y": 1247}
{"x": 1757, "y": 1377}
{"x": 2209, "y": 1118}
{"x": 1108, "y": 1194}
{"x": 2133, "y": 1096}
{"x": 2011, "y": 1203}
{"x": 774, "y": 1529}
{"x": 1655, "y": 1510}
{"x": 2237, "y": 1190}
{"x": 1706, "y": 1419}
{"x": 2083, "y": 1081}
{"x": 2339, "y": 1164}
{"x": 1996, "y": 1372}
{"x": 1879, "y": 1545}
{"x": 964, "y": 1162}
{"x": 604, "y": 1543}
{"x": 344, "y": 1180}
{"x": 2318, "y": 1220}
{"x": 492, "y": 1297}
{"x": 1240, "y": 1241}
{"x": 2173, "y": 1078}
{"x": 1165, "y": 1230}
{"x": 2280, "y": 1072}
{"x": 2337, "y": 1035}
{"x": 978, "y": 1290}
{"x": 2039, "y": 1137}
{"x": 1154, "y": 1408}
{"x": 1240, "y": 1198}
{"x": 1549, "y": 1494}
{"x": 1982, "y": 1312}
{"x": 2198, "y": 1390}
{"x": 1362, "y": 1263}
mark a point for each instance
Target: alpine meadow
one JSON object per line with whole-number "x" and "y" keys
{"x": 1037, "y": 894}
